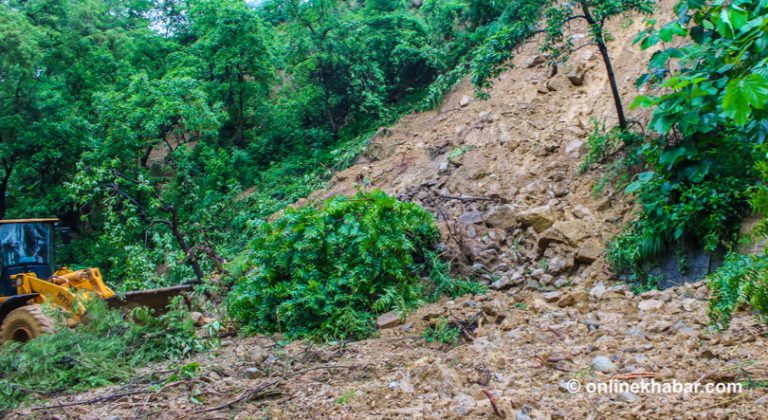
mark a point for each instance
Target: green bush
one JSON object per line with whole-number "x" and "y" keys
{"x": 673, "y": 212}
{"x": 102, "y": 350}
{"x": 617, "y": 148}
{"x": 325, "y": 272}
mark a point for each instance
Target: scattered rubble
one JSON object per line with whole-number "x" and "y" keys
{"x": 523, "y": 351}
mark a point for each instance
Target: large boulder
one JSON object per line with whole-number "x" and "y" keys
{"x": 558, "y": 264}
{"x": 590, "y": 250}
{"x": 575, "y": 149}
{"x": 390, "y": 319}
{"x": 502, "y": 217}
{"x": 540, "y": 218}
{"x": 470, "y": 218}
{"x": 572, "y": 230}
{"x": 575, "y": 73}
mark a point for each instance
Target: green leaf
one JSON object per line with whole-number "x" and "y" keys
{"x": 669, "y": 31}
{"x": 642, "y": 101}
{"x": 642, "y": 179}
{"x": 662, "y": 122}
{"x": 742, "y": 96}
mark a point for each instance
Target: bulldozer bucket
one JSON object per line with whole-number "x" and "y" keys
{"x": 156, "y": 299}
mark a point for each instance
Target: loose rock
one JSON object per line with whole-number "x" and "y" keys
{"x": 604, "y": 364}
{"x": 390, "y": 319}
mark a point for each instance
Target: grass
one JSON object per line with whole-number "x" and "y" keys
{"x": 443, "y": 332}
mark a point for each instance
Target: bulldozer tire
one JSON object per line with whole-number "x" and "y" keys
{"x": 25, "y": 323}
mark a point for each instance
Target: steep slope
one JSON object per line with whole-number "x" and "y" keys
{"x": 502, "y": 175}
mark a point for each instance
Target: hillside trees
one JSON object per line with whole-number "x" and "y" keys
{"x": 56, "y": 54}
{"x": 116, "y": 114}
{"x": 142, "y": 168}
{"x": 708, "y": 162}
{"x": 232, "y": 53}
{"x": 19, "y": 43}
{"x": 709, "y": 120}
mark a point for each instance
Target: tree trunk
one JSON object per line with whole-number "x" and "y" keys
{"x": 614, "y": 86}
{"x": 4, "y": 188}
{"x": 597, "y": 28}
{"x": 327, "y": 98}
{"x": 183, "y": 243}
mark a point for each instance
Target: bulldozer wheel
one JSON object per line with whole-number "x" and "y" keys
{"x": 25, "y": 323}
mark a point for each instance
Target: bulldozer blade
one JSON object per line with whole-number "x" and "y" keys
{"x": 156, "y": 299}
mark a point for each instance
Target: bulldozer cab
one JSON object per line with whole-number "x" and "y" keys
{"x": 26, "y": 246}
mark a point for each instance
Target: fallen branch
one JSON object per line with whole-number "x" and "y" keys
{"x": 493, "y": 403}
{"x": 95, "y": 400}
{"x": 245, "y": 395}
{"x": 248, "y": 394}
{"x": 637, "y": 375}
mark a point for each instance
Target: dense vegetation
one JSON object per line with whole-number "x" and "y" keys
{"x": 703, "y": 161}
{"x": 157, "y": 129}
{"x": 164, "y": 132}
{"x": 325, "y": 272}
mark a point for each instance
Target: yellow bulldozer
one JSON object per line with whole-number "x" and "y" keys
{"x": 30, "y": 278}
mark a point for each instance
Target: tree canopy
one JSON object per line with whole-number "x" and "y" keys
{"x": 157, "y": 129}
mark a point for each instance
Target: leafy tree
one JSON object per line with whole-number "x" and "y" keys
{"x": 138, "y": 190}
{"x": 158, "y": 129}
{"x": 232, "y": 53}
{"x": 595, "y": 13}
{"x": 20, "y": 47}
{"x": 707, "y": 157}
{"x": 494, "y": 53}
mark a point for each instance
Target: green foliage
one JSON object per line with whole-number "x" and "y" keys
{"x": 157, "y": 129}
{"x": 673, "y": 212}
{"x": 595, "y": 12}
{"x": 721, "y": 81}
{"x": 493, "y": 55}
{"x": 325, "y": 272}
{"x": 346, "y": 397}
{"x": 604, "y": 144}
{"x": 443, "y": 332}
{"x": 102, "y": 350}
{"x": 710, "y": 124}
{"x": 616, "y": 147}
{"x": 738, "y": 283}
{"x": 742, "y": 279}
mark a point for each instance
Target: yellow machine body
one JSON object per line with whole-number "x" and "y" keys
{"x": 65, "y": 288}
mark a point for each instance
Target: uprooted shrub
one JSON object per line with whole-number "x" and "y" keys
{"x": 325, "y": 272}
{"x": 102, "y": 350}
